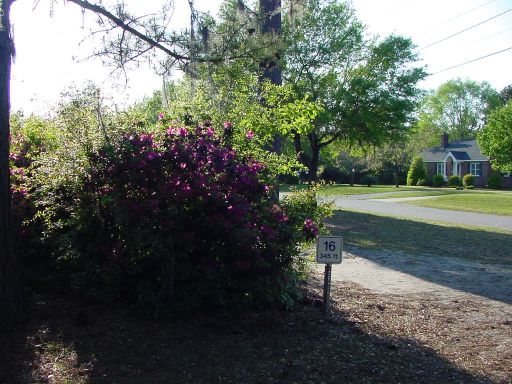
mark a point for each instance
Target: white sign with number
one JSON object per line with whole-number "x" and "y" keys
{"x": 329, "y": 249}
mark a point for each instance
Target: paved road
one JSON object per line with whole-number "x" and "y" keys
{"x": 364, "y": 203}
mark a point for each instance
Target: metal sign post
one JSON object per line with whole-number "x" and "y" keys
{"x": 327, "y": 288}
{"x": 329, "y": 250}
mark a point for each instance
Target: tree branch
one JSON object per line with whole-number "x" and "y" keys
{"x": 120, "y": 23}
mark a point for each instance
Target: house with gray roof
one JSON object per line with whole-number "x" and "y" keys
{"x": 459, "y": 158}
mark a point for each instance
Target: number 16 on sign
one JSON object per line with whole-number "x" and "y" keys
{"x": 328, "y": 251}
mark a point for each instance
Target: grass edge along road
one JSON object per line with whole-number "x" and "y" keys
{"x": 416, "y": 236}
{"x": 489, "y": 203}
{"x": 478, "y": 200}
{"x": 346, "y": 189}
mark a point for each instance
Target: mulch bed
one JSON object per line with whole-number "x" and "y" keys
{"x": 369, "y": 338}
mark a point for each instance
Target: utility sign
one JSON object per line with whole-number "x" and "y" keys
{"x": 329, "y": 249}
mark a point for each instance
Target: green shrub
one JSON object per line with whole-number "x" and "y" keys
{"x": 421, "y": 182}
{"x": 332, "y": 174}
{"x": 494, "y": 181}
{"x": 181, "y": 221}
{"x": 416, "y": 171}
{"x": 290, "y": 179}
{"x": 438, "y": 180}
{"x": 454, "y": 181}
{"x": 468, "y": 180}
{"x": 368, "y": 180}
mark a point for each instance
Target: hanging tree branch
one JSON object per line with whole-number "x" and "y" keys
{"x": 123, "y": 25}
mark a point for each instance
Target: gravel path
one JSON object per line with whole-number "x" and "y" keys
{"x": 391, "y": 272}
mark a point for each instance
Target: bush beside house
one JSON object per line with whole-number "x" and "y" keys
{"x": 468, "y": 180}
{"x": 437, "y": 180}
{"x": 416, "y": 171}
{"x": 454, "y": 181}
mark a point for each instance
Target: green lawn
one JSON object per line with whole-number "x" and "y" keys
{"x": 493, "y": 203}
{"x": 422, "y": 193}
{"x": 366, "y": 230}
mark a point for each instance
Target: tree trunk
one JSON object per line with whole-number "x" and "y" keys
{"x": 301, "y": 156}
{"x": 271, "y": 23}
{"x": 11, "y": 293}
{"x": 315, "y": 156}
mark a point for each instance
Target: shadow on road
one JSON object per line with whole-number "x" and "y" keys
{"x": 470, "y": 260}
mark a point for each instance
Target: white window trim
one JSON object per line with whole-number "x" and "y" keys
{"x": 443, "y": 167}
{"x": 475, "y": 169}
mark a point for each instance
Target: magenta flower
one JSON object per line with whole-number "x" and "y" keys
{"x": 310, "y": 227}
{"x": 249, "y": 134}
{"x": 182, "y": 132}
{"x": 146, "y": 138}
{"x": 161, "y": 116}
{"x": 210, "y": 131}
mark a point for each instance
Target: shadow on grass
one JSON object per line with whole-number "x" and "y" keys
{"x": 252, "y": 348}
{"x": 422, "y": 243}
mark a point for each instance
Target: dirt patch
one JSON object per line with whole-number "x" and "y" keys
{"x": 473, "y": 333}
{"x": 369, "y": 338}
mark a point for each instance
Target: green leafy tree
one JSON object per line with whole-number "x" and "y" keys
{"x": 458, "y": 107}
{"x": 495, "y": 138}
{"x": 366, "y": 88}
{"x": 506, "y": 94}
{"x": 416, "y": 172}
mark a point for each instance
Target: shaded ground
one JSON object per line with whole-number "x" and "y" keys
{"x": 370, "y": 338}
{"x": 366, "y": 230}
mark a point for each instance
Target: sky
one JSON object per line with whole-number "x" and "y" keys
{"x": 52, "y": 45}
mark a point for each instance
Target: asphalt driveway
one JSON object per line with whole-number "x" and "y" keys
{"x": 396, "y": 207}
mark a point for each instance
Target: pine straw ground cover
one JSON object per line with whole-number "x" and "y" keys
{"x": 370, "y": 338}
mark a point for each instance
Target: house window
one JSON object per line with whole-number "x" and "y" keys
{"x": 474, "y": 169}
{"x": 440, "y": 169}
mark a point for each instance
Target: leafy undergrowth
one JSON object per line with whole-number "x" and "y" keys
{"x": 369, "y": 338}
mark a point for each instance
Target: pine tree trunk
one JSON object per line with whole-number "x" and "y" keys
{"x": 11, "y": 293}
{"x": 271, "y": 23}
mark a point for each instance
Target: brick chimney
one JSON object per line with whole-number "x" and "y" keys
{"x": 444, "y": 140}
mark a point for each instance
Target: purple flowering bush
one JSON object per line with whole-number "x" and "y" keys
{"x": 182, "y": 221}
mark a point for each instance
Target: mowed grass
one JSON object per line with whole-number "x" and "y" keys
{"x": 422, "y": 193}
{"x": 422, "y": 237}
{"x": 492, "y": 203}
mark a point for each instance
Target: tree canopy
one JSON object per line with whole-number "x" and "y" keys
{"x": 458, "y": 107}
{"x": 366, "y": 88}
{"x": 495, "y": 138}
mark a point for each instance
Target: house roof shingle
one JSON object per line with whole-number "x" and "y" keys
{"x": 464, "y": 150}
